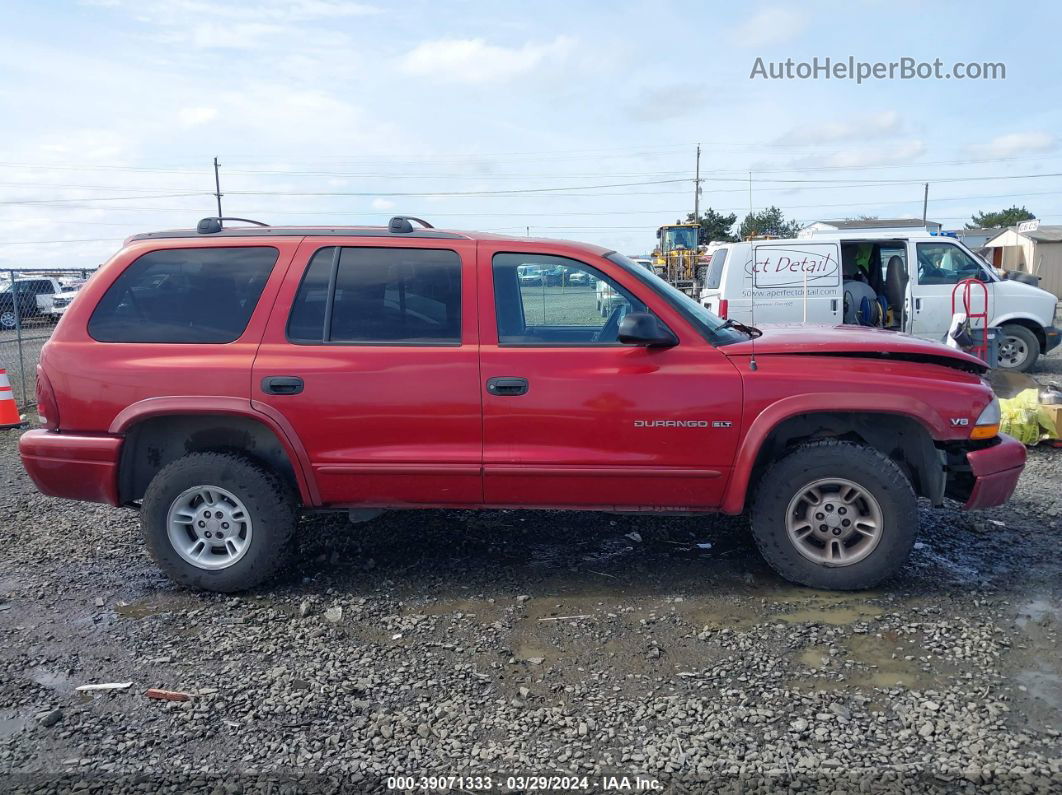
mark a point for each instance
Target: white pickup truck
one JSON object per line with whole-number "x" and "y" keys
{"x": 32, "y": 298}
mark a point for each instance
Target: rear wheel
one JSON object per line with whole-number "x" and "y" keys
{"x": 8, "y": 320}
{"x": 835, "y": 515}
{"x": 218, "y": 521}
{"x": 1018, "y": 349}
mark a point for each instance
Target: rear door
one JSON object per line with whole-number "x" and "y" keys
{"x": 572, "y": 417}
{"x": 370, "y": 354}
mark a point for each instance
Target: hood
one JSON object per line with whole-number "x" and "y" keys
{"x": 852, "y": 341}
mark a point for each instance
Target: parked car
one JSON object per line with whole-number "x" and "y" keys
{"x": 61, "y": 302}
{"x": 31, "y": 298}
{"x": 906, "y": 278}
{"x": 221, "y": 381}
{"x": 530, "y": 274}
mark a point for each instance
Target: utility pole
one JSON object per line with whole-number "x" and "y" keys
{"x": 750, "y": 193}
{"x": 697, "y": 189}
{"x": 925, "y": 203}
{"x": 217, "y": 186}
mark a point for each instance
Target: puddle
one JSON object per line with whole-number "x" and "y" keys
{"x": 1043, "y": 685}
{"x": 836, "y": 616}
{"x": 1038, "y": 611}
{"x": 10, "y": 724}
{"x": 816, "y": 657}
{"x": 885, "y": 671}
{"x": 137, "y": 610}
{"x": 52, "y": 680}
{"x": 866, "y": 664}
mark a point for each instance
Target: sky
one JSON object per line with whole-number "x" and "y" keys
{"x": 573, "y": 119}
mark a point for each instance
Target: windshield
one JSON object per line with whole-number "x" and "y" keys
{"x": 710, "y": 326}
{"x": 680, "y": 237}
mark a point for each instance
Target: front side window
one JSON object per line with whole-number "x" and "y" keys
{"x": 944, "y": 263}
{"x": 184, "y": 295}
{"x": 379, "y": 296}
{"x": 547, "y": 300}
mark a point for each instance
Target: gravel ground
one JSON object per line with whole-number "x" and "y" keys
{"x": 509, "y": 643}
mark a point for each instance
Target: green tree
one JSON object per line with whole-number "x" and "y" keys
{"x": 1012, "y": 216}
{"x": 714, "y": 226}
{"x": 768, "y": 223}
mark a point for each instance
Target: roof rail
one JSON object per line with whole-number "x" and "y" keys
{"x": 212, "y": 224}
{"x": 400, "y": 224}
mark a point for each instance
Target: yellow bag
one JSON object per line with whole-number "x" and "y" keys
{"x": 1025, "y": 419}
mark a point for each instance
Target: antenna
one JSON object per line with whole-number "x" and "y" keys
{"x": 217, "y": 187}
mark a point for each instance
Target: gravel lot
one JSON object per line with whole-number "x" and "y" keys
{"x": 510, "y": 643}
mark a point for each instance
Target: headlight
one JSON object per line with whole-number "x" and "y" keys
{"x": 987, "y": 425}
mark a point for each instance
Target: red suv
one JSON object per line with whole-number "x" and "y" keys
{"x": 222, "y": 380}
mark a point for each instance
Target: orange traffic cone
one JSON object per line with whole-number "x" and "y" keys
{"x": 8, "y": 409}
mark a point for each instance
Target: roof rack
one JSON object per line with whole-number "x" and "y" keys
{"x": 400, "y": 224}
{"x": 212, "y": 224}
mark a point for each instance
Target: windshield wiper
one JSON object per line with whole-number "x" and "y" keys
{"x": 752, "y": 331}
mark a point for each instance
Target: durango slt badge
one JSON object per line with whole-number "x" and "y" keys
{"x": 671, "y": 423}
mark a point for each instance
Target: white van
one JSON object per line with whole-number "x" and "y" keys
{"x": 899, "y": 281}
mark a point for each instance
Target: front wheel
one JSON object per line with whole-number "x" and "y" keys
{"x": 218, "y": 521}
{"x": 8, "y": 320}
{"x": 1018, "y": 348}
{"x": 835, "y": 515}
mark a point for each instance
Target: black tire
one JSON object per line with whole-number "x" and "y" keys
{"x": 864, "y": 466}
{"x": 1032, "y": 345}
{"x": 270, "y": 503}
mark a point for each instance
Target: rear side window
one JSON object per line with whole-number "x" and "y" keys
{"x": 714, "y": 276}
{"x": 190, "y": 295}
{"x": 379, "y": 296}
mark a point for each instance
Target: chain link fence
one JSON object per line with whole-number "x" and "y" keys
{"x": 31, "y": 303}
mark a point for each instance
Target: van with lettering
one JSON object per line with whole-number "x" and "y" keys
{"x": 899, "y": 281}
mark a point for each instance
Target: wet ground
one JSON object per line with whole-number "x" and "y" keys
{"x": 510, "y": 643}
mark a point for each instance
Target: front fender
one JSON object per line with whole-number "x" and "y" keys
{"x": 759, "y": 430}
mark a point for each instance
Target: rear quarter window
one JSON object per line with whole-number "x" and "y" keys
{"x": 714, "y": 277}
{"x": 184, "y": 295}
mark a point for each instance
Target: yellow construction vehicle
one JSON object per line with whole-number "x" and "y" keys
{"x": 675, "y": 255}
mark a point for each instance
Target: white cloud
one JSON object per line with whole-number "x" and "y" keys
{"x": 476, "y": 61}
{"x": 286, "y": 11}
{"x": 193, "y": 117}
{"x": 1011, "y": 144}
{"x": 382, "y": 204}
{"x": 668, "y": 102}
{"x": 771, "y": 25}
{"x": 860, "y": 127}
{"x": 863, "y": 157}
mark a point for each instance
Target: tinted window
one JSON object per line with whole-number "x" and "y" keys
{"x": 715, "y": 269}
{"x": 379, "y": 295}
{"x": 184, "y": 295}
{"x": 543, "y": 300}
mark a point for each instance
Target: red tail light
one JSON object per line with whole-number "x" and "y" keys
{"x": 724, "y": 305}
{"x": 47, "y": 408}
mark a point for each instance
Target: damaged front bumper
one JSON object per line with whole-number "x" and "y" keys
{"x": 985, "y": 476}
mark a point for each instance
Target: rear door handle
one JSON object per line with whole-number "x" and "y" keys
{"x": 282, "y": 385}
{"x": 507, "y": 386}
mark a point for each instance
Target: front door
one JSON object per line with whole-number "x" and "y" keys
{"x": 939, "y": 266}
{"x": 572, "y": 417}
{"x": 376, "y": 370}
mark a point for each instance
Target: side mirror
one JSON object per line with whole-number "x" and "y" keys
{"x": 641, "y": 328}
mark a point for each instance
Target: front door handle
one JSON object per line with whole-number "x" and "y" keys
{"x": 282, "y": 385}
{"x": 507, "y": 386}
